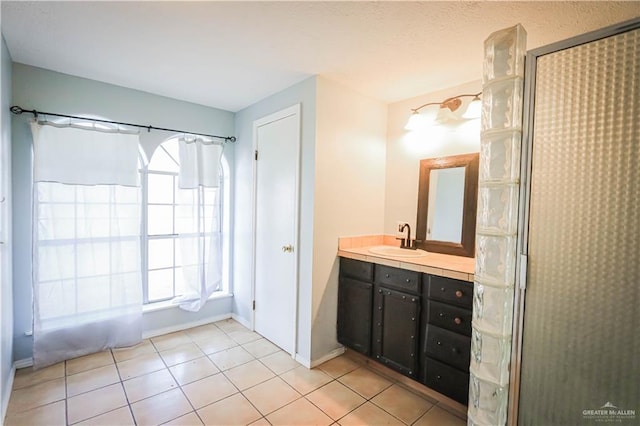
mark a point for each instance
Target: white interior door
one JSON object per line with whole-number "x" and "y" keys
{"x": 277, "y": 140}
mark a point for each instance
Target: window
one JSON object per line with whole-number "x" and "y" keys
{"x": 168, "y": 220}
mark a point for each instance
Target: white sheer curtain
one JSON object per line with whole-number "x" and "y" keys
{"x": 87, "y": 287}
{"x": 198, "y": 222}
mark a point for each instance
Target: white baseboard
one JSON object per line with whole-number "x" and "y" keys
{"x": 183, "y": 326}
{"x": 7, "y": 395}
{"x": 331, "y": 355}
{"x": 23, "y": 363}
{"x": 312, "y": 364}
{"x": 303, "y": 361}
{"x": 241, "y": 320}
{"x": 28, "y": 362}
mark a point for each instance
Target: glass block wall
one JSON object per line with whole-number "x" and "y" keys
{"x": 497, "y": 225}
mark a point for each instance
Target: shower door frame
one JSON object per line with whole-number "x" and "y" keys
{"x": 525, "y": 195}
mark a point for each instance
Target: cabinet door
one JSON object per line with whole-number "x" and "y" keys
{"x": 396, "y": 327}
{"x": 448, "y": 347}
{"x": 447, "y": 380}
{"x": 356, "y": 269}
{"x": 354, "y": 314}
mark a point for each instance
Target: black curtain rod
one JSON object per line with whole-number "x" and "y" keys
{"x": 18, "y": 110}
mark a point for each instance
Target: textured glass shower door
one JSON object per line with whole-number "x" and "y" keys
{"x": 581, "y": 336}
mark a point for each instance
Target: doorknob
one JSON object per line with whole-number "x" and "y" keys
{"x": 287, "y": 249}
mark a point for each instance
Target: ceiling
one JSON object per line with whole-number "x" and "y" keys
{"x": 232, "y": 54}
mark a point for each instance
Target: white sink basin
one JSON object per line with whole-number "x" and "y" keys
{"x": 396, "y": 251}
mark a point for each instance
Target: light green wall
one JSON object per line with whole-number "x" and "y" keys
{"x": 6, "y": 298}
{"x": 305, "y": 94}
{"x": 44, "y": 90}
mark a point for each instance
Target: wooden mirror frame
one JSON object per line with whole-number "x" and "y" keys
{"x": 466, "y": 247}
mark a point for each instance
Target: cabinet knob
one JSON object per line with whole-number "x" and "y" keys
{"x": 442, "y": 289}
{"x": 386, "y": 275}
{"x": 439, "y": 343}
{"x": 404, "y": 297}
{"x": 441, "y": 315}
{"x": 459, "y": 294}
{"x": 388, "y": 293}
{"x": 380, "y": 291}
{"x": 408, "y": 280}
{"x": 438, "y": 377}
{"x": 457, "y": 320}
{"x": 413, "y": 299}
{"x": 454, "y": 350}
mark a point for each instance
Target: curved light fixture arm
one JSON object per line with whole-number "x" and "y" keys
{"x": 453, "y": 103}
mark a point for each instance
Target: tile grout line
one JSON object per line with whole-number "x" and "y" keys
{"x": 124, "y": 390}
{"x": 190, "y": 340}
{"x": 178, "y": 384}
{"x": 66, "y": 400}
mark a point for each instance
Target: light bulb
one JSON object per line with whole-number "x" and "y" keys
{"x": 416, "y": 121}
{"x": 474, "y": 109}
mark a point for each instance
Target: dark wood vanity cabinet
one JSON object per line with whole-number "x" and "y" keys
{"x": 417, "y": 324}
{"x": 355, "y": 299}
{"x": 396, "y": 319}
{"x": 446, "y": 344}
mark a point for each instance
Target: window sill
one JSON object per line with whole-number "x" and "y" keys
{"x": 166, "y": 304}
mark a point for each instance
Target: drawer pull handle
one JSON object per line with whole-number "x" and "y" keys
{"x": 457, "y": 320}
{"x": 459, "y": 294}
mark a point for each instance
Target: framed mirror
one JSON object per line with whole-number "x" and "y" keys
{"x": 447, "y": 201}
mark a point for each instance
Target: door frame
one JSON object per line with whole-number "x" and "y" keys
{"x": 525, "y": 196}
{"x": 293, "y": 110}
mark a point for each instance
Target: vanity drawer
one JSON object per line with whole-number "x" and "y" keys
{"x": 451, "y": 348}
{"x": 357, "y": 269}
{"x": 447, "y": 380}
{"x": 400, "y": 279}
{"x": 450, "y": 290}
{"x": 450, "y": 317}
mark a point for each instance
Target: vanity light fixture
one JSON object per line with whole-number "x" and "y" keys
{"x": 446, "y": 111}
{"x": 474, "y": 109}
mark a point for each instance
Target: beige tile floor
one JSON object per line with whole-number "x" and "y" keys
{"x": 216, "y": 374}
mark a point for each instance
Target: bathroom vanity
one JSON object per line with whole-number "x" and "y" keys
{"x": 412, "y": 315}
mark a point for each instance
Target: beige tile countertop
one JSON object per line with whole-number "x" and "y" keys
{"x": 457, "y": 267}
